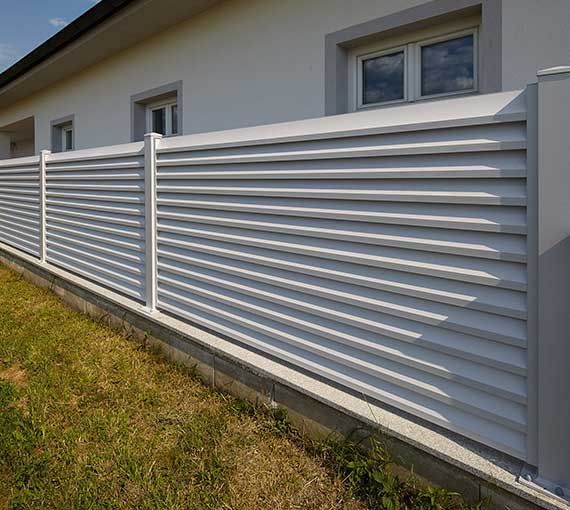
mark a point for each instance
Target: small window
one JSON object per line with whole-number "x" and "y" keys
{"x": 435, "y": 67}
{"x": 63, "y": 134}
{"x": 162, "y": 118}
{"x": 448, "y": 66}
{"x": 384, "y": 77}
{"x": 67, "y": 138}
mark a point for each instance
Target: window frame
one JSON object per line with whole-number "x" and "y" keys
{"x": 140, "y": 101}
{"x": 360, "y": 76}
{"x": 58, "y": 128}
{"x": 167, "y": 104}
{"x": 412, "y": 69}
{"x": 443, "y": 38}
{"x": 64, "y": 130}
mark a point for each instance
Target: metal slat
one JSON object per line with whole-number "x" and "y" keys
{"x": 353, "y": 307}
{"x": 484, "y": 272}
{"x": 398, "y": 258}
{"x": 95, "y": 218}
{"x": 19, "y": 200}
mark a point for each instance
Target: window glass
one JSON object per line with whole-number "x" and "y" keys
{"x": 447, "y": 66}
{"x": 159, "y": 121}
{"x": 68, "y": 139}
{"x": 174, "y": 119}
{"x": 383, "y": 78}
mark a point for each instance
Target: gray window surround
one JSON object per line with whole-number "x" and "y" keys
{"x": 140, "y": 101}
{"x": 338, "y": 44}
{"x": 56, "y": 127}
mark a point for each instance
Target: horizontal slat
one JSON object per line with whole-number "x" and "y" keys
{"x": 115, "y": 219}
{"x": 128, "y": 233}
{"x": 127, "y": 165}
{"x": 488, "y": 219}
{"x": 98, "y": 186}
{"x": 448, "y": 417}
{"x": 106, "y": 247}
{"x": 131, "y": 210}
{"x": 24, "y": 216}
{"x": 21, "y": 204}
{"x": 471, "y": 245}
{"x": 95, "y": 216}
{"x": 101, "y": 261}
{"x": 459, "y": 345}
{"x": 400, "y": 173}
{"x": 98, "y": 237}
{"x": 95, "y": 273}
{"x": 20, "y": 190}
{"x": 493, "y": 273}
{"x": 18, "y": 227}
{"x": 125, "y": 198}
{"x": 449, "y": 147}
{"x": 493, "y": 300}
{"x": 439, "y": 197}
{"x": 17, "y": 240}
{"x": 498, "y": 410}
{"x": 352, "y": 307}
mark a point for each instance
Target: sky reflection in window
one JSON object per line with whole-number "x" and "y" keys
{"x": 448, "y": 66}
{"x": 383, "y": 78}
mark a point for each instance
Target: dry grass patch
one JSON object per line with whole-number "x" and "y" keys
{"x": 14, "y": 375}
{"x": 91, "y": 420}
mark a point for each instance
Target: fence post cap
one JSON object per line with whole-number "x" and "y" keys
{"x": 553, "y": 70}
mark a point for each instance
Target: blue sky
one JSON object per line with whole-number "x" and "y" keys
{"x": 25, "y": 24}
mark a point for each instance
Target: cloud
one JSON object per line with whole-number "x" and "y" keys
{"x": 8, "y": 55}
{"x": 58, "y": 22}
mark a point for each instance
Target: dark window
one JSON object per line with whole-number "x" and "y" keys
{"x": 159, "y": 121}
{"x": 68, "y": 139}
{"x": 383, "y": 78}
{"x": 448, "y": 66}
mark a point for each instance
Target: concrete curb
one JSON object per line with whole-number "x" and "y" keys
{"x": 315, "y": 406}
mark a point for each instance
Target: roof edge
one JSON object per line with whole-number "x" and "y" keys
{"x": 90, "y": 19}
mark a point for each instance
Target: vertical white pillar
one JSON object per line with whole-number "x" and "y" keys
{"x": 151, "y": 141}
{"x": 43, "y": 209}
{"x": 553, "y": 280}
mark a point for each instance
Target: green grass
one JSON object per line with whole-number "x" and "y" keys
{"x": 92, "y": 420}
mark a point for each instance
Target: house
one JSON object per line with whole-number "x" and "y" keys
{"x": 373, "y": 192}
{"x": 247, "y": 63}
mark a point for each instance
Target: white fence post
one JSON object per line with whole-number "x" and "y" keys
{"x": 43, "y": 209}
{"x": 150, "y": 144}
{"x": 552, "y": 253}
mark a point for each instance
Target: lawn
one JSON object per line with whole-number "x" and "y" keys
{"x": 92, "y": 420}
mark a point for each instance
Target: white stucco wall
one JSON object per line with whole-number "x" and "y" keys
{"x": 248, "y": 62}
{"x": 536, "y": 35}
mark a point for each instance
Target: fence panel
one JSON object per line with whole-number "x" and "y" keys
{"x": 390, "y": 260}
{"x": 95, "y": 215}
{"x": 385, "y": 250}
{"x": 20, "y": 204}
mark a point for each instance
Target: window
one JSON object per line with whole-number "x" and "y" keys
{"x": 435, "y": 67}
{"x": 162, "y": 118}
{"x": 67, "y": 138}
{"x": 157, "y": 110}
{"x": 63, "y": 134}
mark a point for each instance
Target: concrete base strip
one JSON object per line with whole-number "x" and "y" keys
{"x": 315, "y": 406}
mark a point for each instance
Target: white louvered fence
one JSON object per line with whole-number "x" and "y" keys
{"x": 384, "y": 250}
